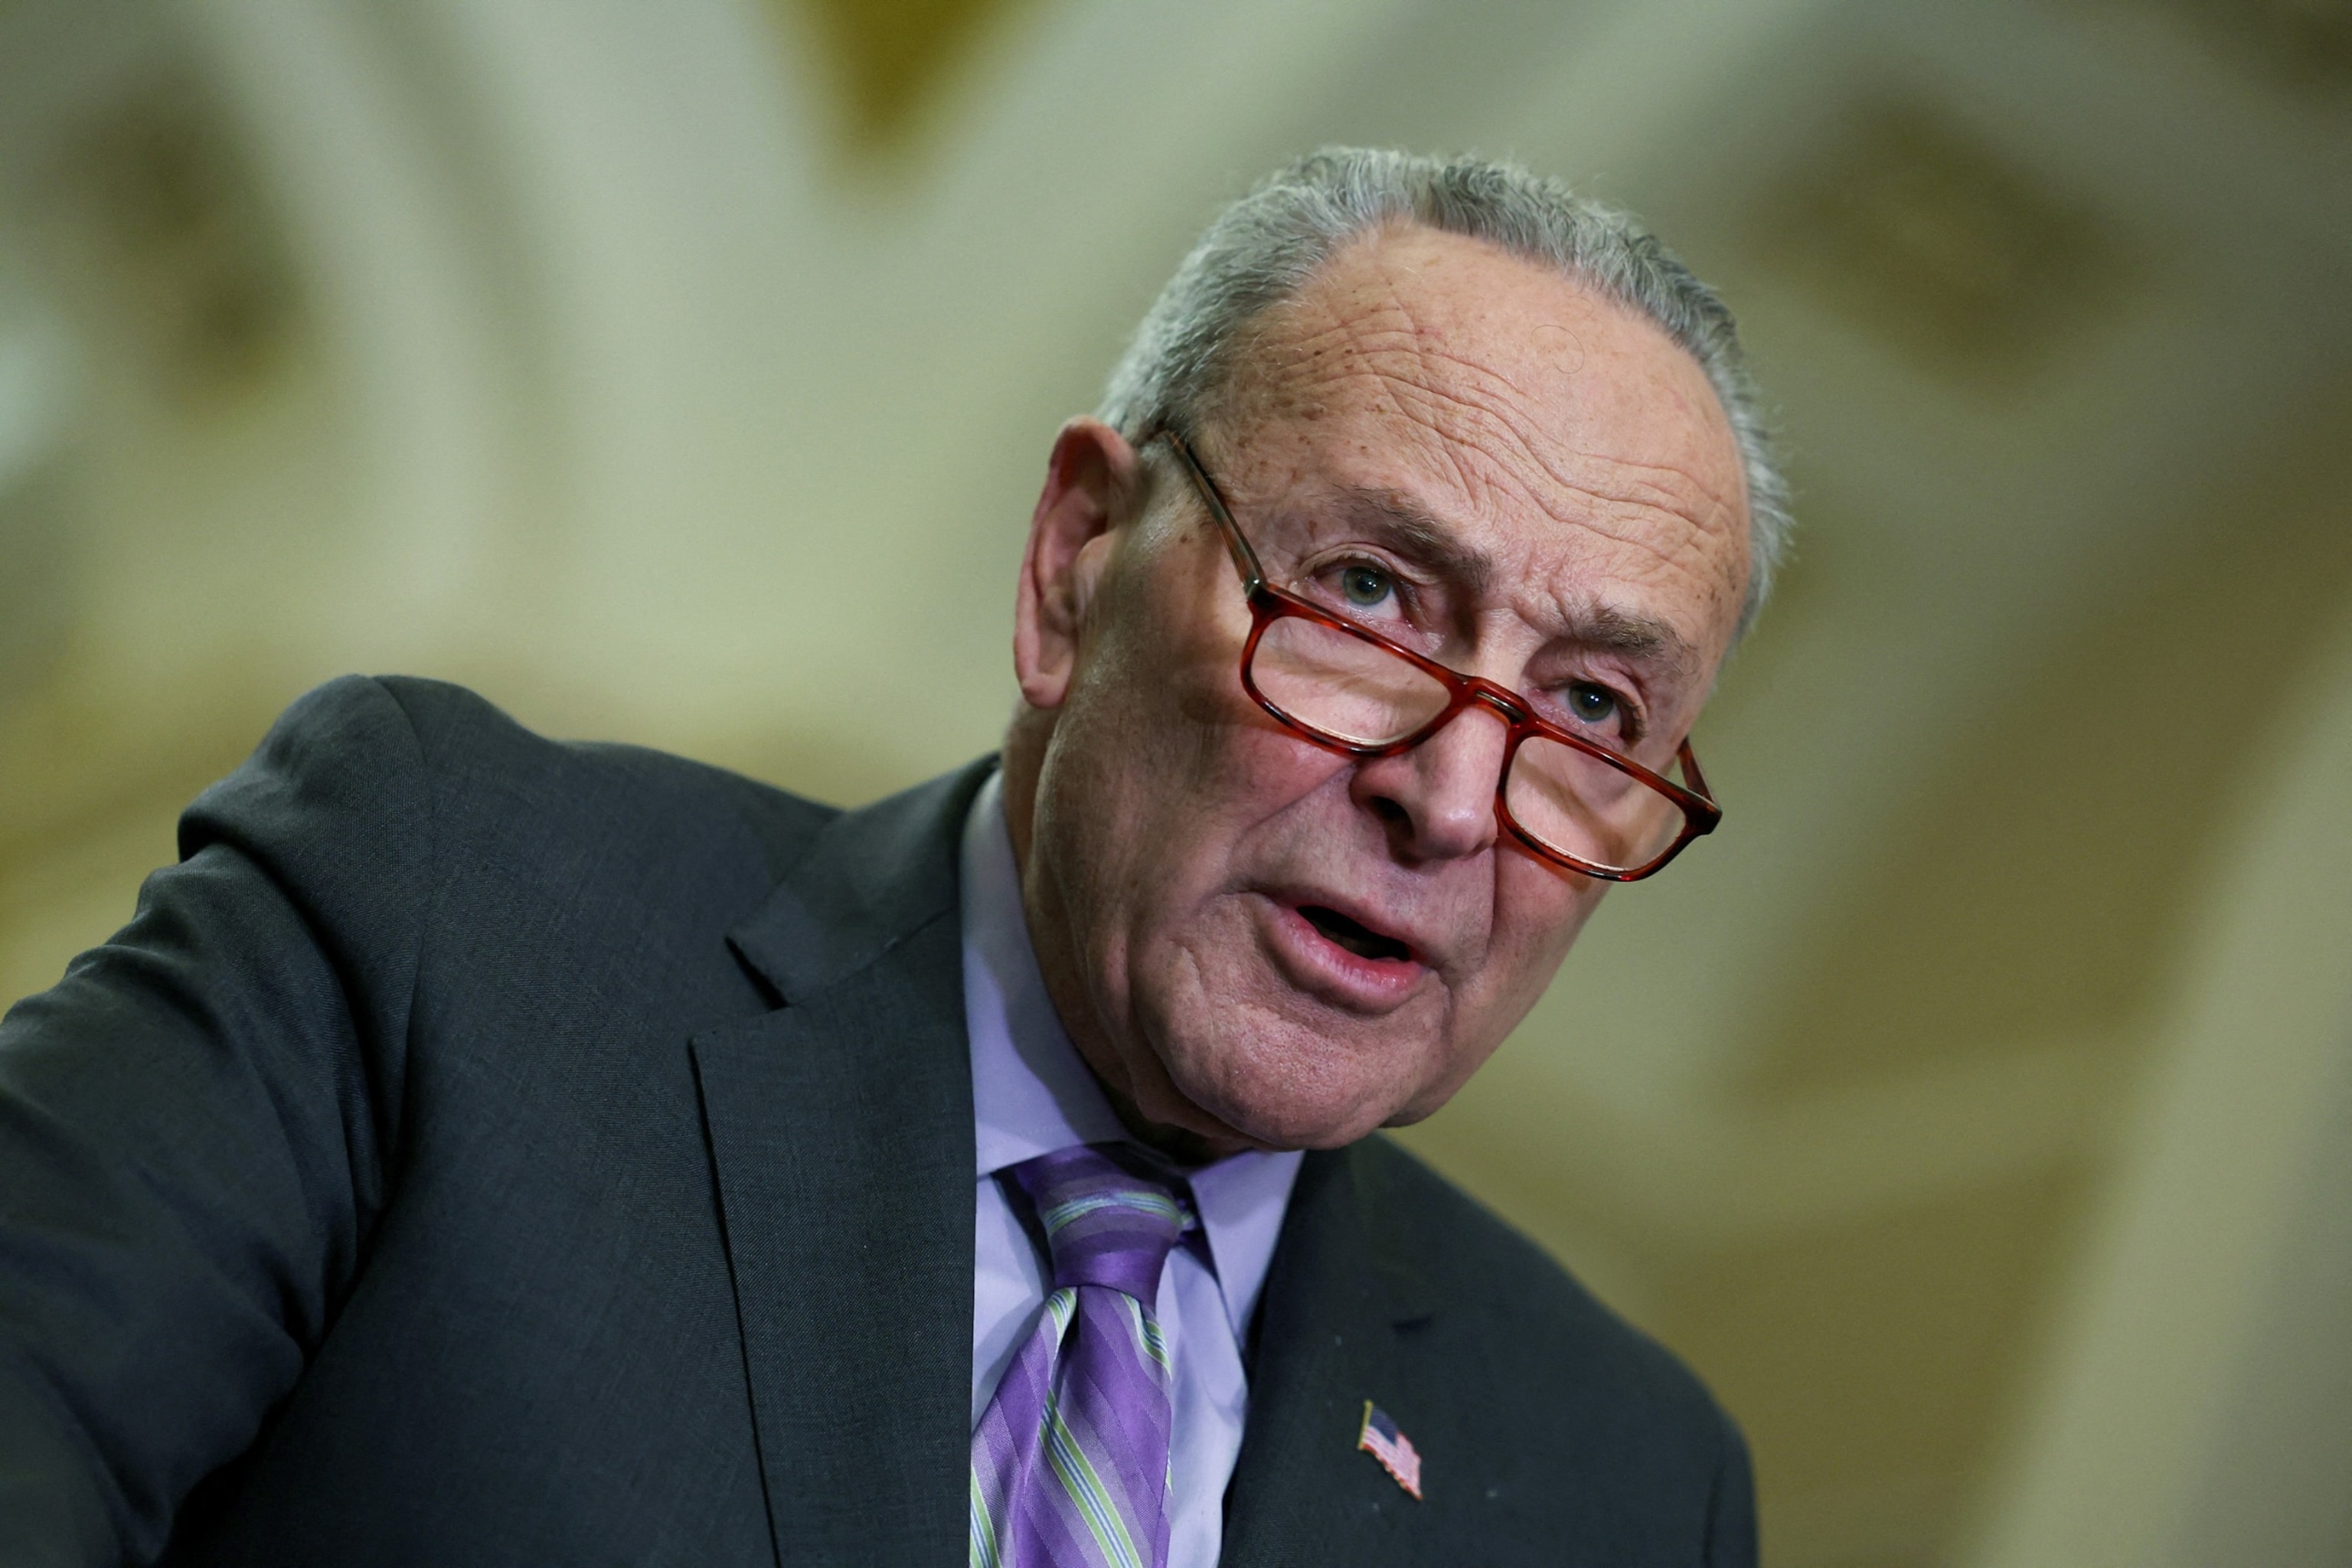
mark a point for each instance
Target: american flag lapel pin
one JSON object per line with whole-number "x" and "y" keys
{"x": 1380, "y": 1440}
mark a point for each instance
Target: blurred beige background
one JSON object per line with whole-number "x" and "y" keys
{"x": 1975, "y": 1111}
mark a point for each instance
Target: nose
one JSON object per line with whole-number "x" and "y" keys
{"x": 1437, "y": 800}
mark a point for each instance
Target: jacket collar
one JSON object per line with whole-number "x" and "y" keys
{"x": 873, "y": 877}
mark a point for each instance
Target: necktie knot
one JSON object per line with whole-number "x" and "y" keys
{"x": 1105, "y": 1224}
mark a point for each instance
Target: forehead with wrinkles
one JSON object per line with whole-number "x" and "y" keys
{"x": 1559, "y": 431}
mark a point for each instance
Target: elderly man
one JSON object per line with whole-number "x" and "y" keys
{"x": 481, "y": 1150}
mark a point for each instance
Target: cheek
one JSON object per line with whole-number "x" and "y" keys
{"x": 1170, "y": 735}
{"x": 1538, "y": 910}
{"x": 1207, "y": 801}
{"x": 1538, "y": 913}
{"x": 1160, "y": 766}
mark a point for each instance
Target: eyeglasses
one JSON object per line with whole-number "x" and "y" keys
{"x": 1349, "y": 689}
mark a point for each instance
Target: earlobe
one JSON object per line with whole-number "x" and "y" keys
{"x": 1092, "y": 481}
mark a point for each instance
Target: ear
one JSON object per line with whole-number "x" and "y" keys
{"x": 1093, "y": 482}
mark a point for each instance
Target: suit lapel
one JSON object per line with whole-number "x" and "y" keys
{"x": 1339, "y": 1300}
{"x": 841, "y": 1135}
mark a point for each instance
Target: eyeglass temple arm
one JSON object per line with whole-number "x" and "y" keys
{"x": 1694, "y": 780}
{"x": 1245, "y": 558}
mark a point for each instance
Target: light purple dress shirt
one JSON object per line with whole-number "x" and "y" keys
{"x": 1030, "y": 1095}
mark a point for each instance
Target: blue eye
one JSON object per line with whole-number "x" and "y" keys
{"x": 1593, "y": 704}
{"x": 1365, "y": 586}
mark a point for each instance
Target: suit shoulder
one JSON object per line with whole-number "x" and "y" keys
{"x": 1571, "y": 1425}
{"x": 1446, "y": 1227}
{"x": 478, "y": 753}
{"x": 1476, "y": 1265}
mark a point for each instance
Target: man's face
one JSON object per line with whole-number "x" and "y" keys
{"x": 1257, "y": 941}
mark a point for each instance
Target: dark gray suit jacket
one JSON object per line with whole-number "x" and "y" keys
{"x": 485, "y": 1151}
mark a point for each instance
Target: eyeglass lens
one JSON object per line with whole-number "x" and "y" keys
{"x": 1361, "y": 694}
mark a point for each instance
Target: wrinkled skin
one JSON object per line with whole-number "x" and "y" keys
{"x": 1582, "y": 537}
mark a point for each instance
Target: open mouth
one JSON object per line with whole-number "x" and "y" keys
{"x": 1360, "y": 940}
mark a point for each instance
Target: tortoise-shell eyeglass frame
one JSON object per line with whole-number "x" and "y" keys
{"x": 1268, "y": 604}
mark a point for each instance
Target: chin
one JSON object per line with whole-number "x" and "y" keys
{"x": 1308, "y": 1096}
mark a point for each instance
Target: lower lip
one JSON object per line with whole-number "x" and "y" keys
{"x": 1324, "y": 969}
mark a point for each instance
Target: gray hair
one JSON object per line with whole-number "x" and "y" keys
{"x": 1261, "y": 249}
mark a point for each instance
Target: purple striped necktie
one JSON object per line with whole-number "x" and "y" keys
{"x": 1069, "y": 1463}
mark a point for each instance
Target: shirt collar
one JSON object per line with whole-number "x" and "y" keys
{"x": 1032, "y": 1093}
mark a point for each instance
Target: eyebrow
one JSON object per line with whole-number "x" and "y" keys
{"x": 1635, "y": 635}
{"x": 1412, "y": 531}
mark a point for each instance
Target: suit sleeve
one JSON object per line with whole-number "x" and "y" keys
{"x": 196, "y": 1131}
